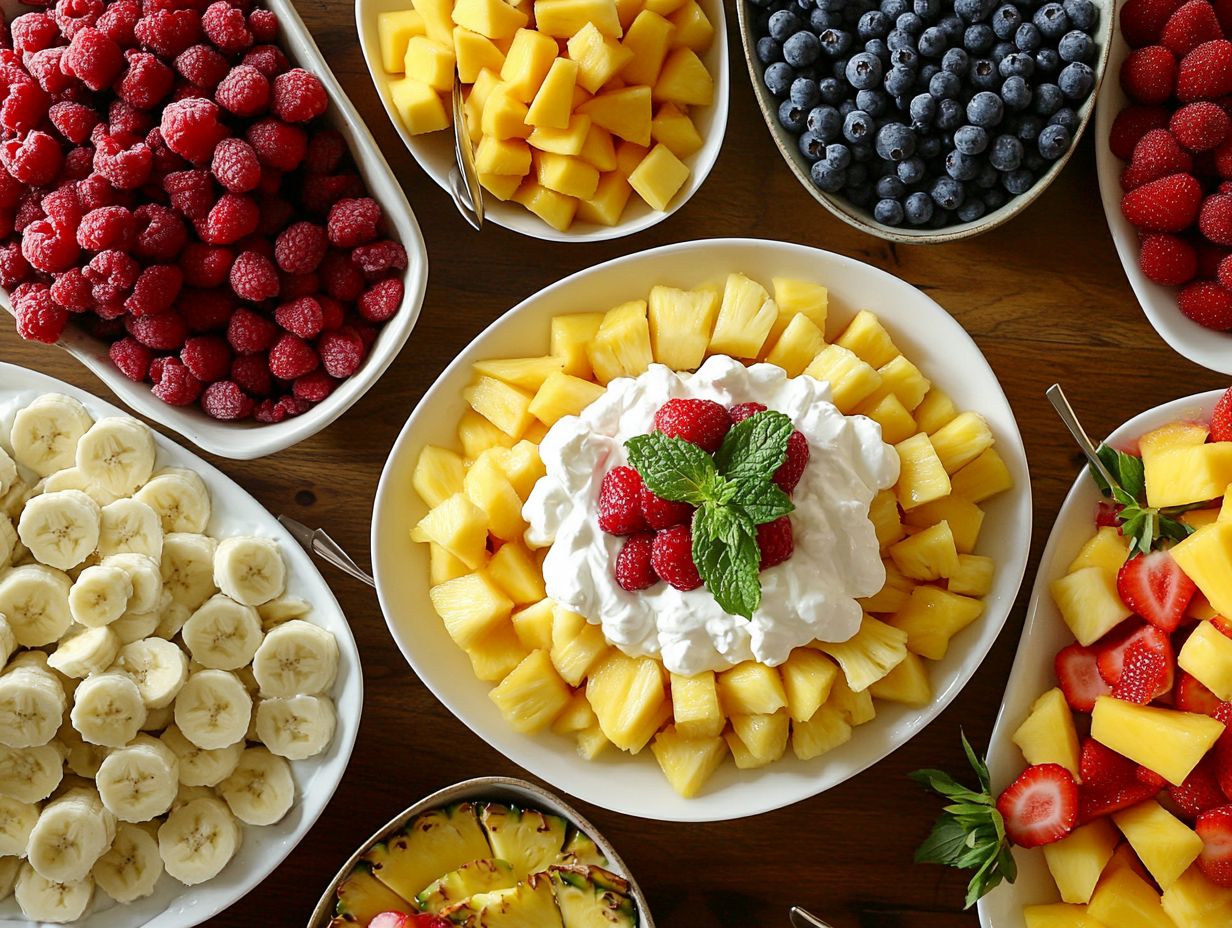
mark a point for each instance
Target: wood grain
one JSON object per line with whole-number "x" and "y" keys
{"x": 1046, "y": 300}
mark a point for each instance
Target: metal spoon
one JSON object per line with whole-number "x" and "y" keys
{"x": 803, "y": 919}
{"x": 464, "y": 179}
{"x": 316, "y": 541}
{"x": 1056, "y": 396}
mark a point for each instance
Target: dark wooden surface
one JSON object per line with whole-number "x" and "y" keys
{"x": 1046, "y": 300}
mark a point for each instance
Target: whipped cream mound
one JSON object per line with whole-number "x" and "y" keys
{"x": 811, "y": 596}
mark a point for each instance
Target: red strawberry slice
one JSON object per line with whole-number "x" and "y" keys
{"x": 1077, "y": 671}
{"x": 1222, "y": 625}
{"x": 1110, "y": 649}
{"x": 1214, "y": 827}
{"x": 1221, "y": 418}
{"x": 1041, "y": 806}
{"x": 1108, "y": 514}
{"x": 1144, "y": 674}
{"x": 1200, "y": 791}
{"x": 1192, "y": 696}
{"x": 1111, "y": 782}
{"x": 1155, "y": 587}
{"x": 1223, "y": 748}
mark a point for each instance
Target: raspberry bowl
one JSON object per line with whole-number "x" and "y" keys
{"x": 612, "y": 779}
{"x": 222, "y": 418}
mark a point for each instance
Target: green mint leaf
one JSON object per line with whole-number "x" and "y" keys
{"x": 725, "y": 551}
{"x": 1174, "y": 529}
{"x": 944, "y": 845}
{"x": 978, "y": 765}
{"x": 1126, "y": 469}
{"x": 674, "y": 469}
{"x": 755, "y": 448}
{"x": 761, "y": 501}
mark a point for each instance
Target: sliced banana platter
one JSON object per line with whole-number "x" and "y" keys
{"x": 179, "y": 691}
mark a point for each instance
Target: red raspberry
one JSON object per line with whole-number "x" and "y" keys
{"x": 1142, "y": 21}
{"x": 127, "y": 123}
{"x": 191, "y": 128}
{"x": 302, "y": 317}
{"x": 268, "y": 59}
{"x": 165, "y": 160}
{"x": 206, "y": 310}
{"x": 341, "y": 278}
{"x": 63, "y": 205}
{"x": 1168, "y": 259}
{"x": 131, "y": 357}
{"x": 231, "y": 218}
{"x": 111, "y": 312}
{"x": 314, "y": 387}
{"x": 14, "y": 268}
{"x": 792, "y": 468}
{"x": 329, "y": 189}
{"x": 118, "y": 22}
{"x": 124, "y": 168}
{"x": 701, "y": 422}
{"x": 146, "y": 82}
{"x": 74, "y": 15}
{"x": 164, "y": 332}
{"x": 252, "y": 374}
{"x": 291, "y": 357}
{"x": 203, "y": 65}
{"x": 107, "y": 227}
{"x": 7, "y": 217}
{"x": 1148, "y": 75}
{"x": 155, "y": 290}
{"x": 11, "y": 191}
{"x": 1225, "y": 273}
{"x": 161, "y": 234}
{"x": 742, "y": 411}
{"x": 245, "y": 91}
{"x": 379, "y": 258}
{"x": 332, "y": 312}
{"x": 34, "y": 160}
{"x": 226, "y": 27}
{"x": 277, "y": 144}
{"x": 342, "y": 352}
{"x": 207, "y": 356}
{"x": 29, "y": 210}
{"x": 33, "y": 32}
{"x": 236, "y": 166}
{"x": 254, "y": 277}
{"x": 74, "y": 121}
{"x": 1215, "y": 218}
{"x": 381, "y": 301}
{"x": 45, "y": 67}
{"x": 168, "y": 32}
{"x": 39, "y": 319}
{"x": 250, "y": 333}
{"x": 263, "y": 24}
{"x": 300, "y": 248}
{"x": 1156, "y": 155}
{"x": 205, "y": 265}
{"x": 49, "y": 246}
{"x": 634, "y": 570}
{"x": 191, "y": 192}
{"x": 73, "y": 291}
{"x": 78, "y": 164}
{"x": 93, "y": 59}
{"x": 1200, "y": 126}
{"x": 271, "y": 181}
{"x": 326, "y": 149}
{"x": 94, "y": 190}
{"x": 276, "y": 213}
{"x": 1169, "y": 204}
{"x": 1208, "y": 304}
{"x": 671, "y": 555}
{"x": 1206, "y": 72}
{"x": 24, "y": 107}
{"x": 270, "y": 412}
{"x": 225, "y": 400}
{"x": 1191, "y": 25}
{"x": 293, "y": 286}
{"x": 258, "y": 243}
{"x": 174, "y": 384}
{"x": 299, "y": 96}
{"x": 775, "y": 542}
{"x": 112, "y": 275}
{"x": 661, "y": 513}
{"x": 1209, "y": 258}
{"x": 620, "y": 502}
{"x": 353, "y": 222}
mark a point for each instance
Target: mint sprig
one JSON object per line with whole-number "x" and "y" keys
{"x": 1144, "y": 525}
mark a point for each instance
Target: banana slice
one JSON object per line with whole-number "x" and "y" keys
{"x": 129, "y": 526}
{"x": 9, "y": 541}
{"x": 90, "y": 650}
{"x": 12, "y": 502}
{"x": 61, "y": 528}
{"x": 71, "y": 478}
{"x": 100, "y": 595}
{"x": 188, "y": 568}
{"x": 198, "y": 839}
{"x": 282, "y": 609}
{"x": 250, "y": 570}
{"x": 17, "y": 820}
{"x": 158, "y": 667}
{"x": 83, "y": 758}
{"x": 199, "y": 767}
{"x": 8, "y": 472}
{"x": 189, "y": 794}
{"x": 180, "y": 498}
{"x": 212, "y": 709}
{"x": 44, "y": 900}
{"x": 260, "y": 791}
{"x": 130, "y": 869}
{"x": 30, "y": 775}
{"x": 117, "y": 452}
{"x": 134, "y": 626}
{"x": 9, "y": 868}
{"x": 8, "y": 641}
{"x": 107, "y": 709}
{"x": 158, "y": 719}
{"x": 222, "y": 634}
{"x": 296, "y": 658}
{"x": 146, "y": 576}
{"x": 296, "y": 727}
{"x": 32, "y": 705}
{"x": 72, "y": 832}
{"x": 45, "y": 434}
{"x": 34, "y": 599}
{"x": 139, "y": 782}
{"x": 171, "y": 620}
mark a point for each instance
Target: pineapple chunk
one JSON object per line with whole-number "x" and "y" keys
{"x": 867, "y": 339}
{"x": 1058, "y": 915}
{"x": 473, "y": 53}
{"x": 763, "y": 737}
{"x": 1078, "y": 859}
{"x": 974, "y": 577}
{"x": 797, "y": 297}
{"x": 501, "y": 186}
{"x": 598, "y": 56}
{"x": 503, "y": 118}
{"x": 470, "y": 606}
{"x": 687, "y": 762}
{"x": 506, "y": 407}
{"x": 751, "y": 688}
{"x": 570, "y": 176}
{"x": 523, "y": 466}
{"x": 501, "y": 156}
{"x": 628, "y": 696}
{"x": 567, "y": 141}
{"x": 628, "y": 10}
{"x": 907, "y": 683}
{"x": 532, "y": 695}
{"x": 553, "y": 101}
{"x": 430, "y": 62}
{"x": 1047, "y": 736}
{"x": 599, "y": 149}
{"x": 744, "y": 319}
{"x": 1165, "y": 845}
{"x": 526, "y": 373}
{"x": 684, "y": 80}
{"x": 893, "y": 417}
{"x": 964, "y": 518}
{"x": 825, "y": 731}
{"x": 851, "y": 380}
{"x": 433, "y": 843}
{"x": 570, "y": 336}
{"x": 1206, "y": 558}
{"x": 693, "y": 29}
{"x": 1107, "y": 548}
{"x": 495, "y": 19}
{"x": 512, "y": 569}
{"x": 418, "y": 106}
{"x": 442, "y": 565}
{"x": 577, "y": 645}
{"x": 1198, "y": 518}
{"x": 477, "y": 876}
{"x": 796, "y": 345}
{"x": 673, "y": 127}
{"x": 458, "y": 526}
{"x": 1163, "y": 740}
{"x": 628, "y": 156}
{"x": 563, "y": 395}
{"x": 625, "y": 112}
{"x": 984, "y": 477}
{"x": 927, "y": 555}
{"x": 592, "y": 742}
{"x": 935, "y": 411}
{"x": 489, "y": 489}
{"x": 891, "y": 597}
{"x": 438, "y": 474}
{"x": 648, "y": 37}
{"x": 857, "y": 708}
{"x": 921, "y": 478}
{"x": 1192, "y": 474}
{"x": 883, "y": 513}
{"x": 438, "y": 24}
{"x": 534, "y": 624}
{"x": 608, "y": 204}
{"x": 901, "y": 378}
{"x": 621, "y": 347}
{"x": 576, "y": 717}
{"x": 875, "y": 650}
{"x": 1207, "y": 655}
{"x": 1089, "y": 603}
{"x": 932, "y": 617}
{"x": 496, "y": 653}
{"x": 961, "y": 441}
{"x": 808, "y": 676}
{"x": 563, "y": 18}
{"x": 680, "y": 324}
{"x": 1171, "y": 436}
{"x": 527, "y": 62}
{"x": 695, "y": 705}
{"x": 556, "y": 209}
{"x": 476, "y": 435}
{"x": 394, "y": 29}
{"x": 361, "y": 897}
{"x": 1193, "y": 901}
{"x": 1225, "y": 508}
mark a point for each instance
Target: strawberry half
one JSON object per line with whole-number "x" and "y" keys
{"x": 1144, "y": 674}
{"x": 1214, "y": 827}
{"x": 1111, "y": 782}
{"x": 1041, "y": 806}
{"x": 1221, "y": 418}
{"x": 1155, "y": 587}
{"x": 1078, "y": 675}
{"x": 1200, "y": 792}
{"x": 1111, "y": 650}
{"x": 1191, "y": 695}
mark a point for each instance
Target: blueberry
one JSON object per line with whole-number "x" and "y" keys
{"x": 834, "y": 42}
{"x": 1015, "y": 64}
{"x": 974, "y": 11}
{"x": 846, "y": 108}
{"x": 778, "y": 78}
{"x": 1076, "y": 46}
{"x": 860, "y": 194}
{"x": 792, "y": 116}
{"x": 811, "y": 145}
{"x": 1034, "y": 162}
{"x": 1054, "y": 142}
{"x": 832, "y": 90}
{"x": 826, "y": 178}
{"x": 979, "y": 39}
{"x": 858, "y": 126}
{"x": 825, "y": 122}
{"x": 832, "y": 6}
{"x": 784, "y": 24}
{"x": 984, "y": 74}
{"x": 953, "y": 27}
{"x": 1065, "y": 117}
{"x": 1006, "y": 153}
{"x": 1016, "y": 93}
{"x": 1048, "y": 99}
{"x": 837, "y": 156}
{"x": 922, "y": 109}
{"x": 906, "y": 57}
{"x": 1005, "y": 21}
{"x": 910, "y": 23}
{"x": 918, "y": 208}
{"x": 862, "y": 152}
{"x": 994, "y": 198}
{"x": 1083, "y": 14}
{"x": 891, "y": 187}
{"x": 894, "y": 8}
{"x": 971, "y": 210}
{"x": 970, "y": 140}
{"x": 1027, "y": 38}
{"x": 1029, "y": 128}
{"x": 876, "y": 47}
{"x": 988, "y": 176}
{"x": 930, "y": 145}
{"x": 1047, "y": 62}
{"x": 895, "y": 142}
{"x": 804, "y": 92}
{"x": 1076, "y": 80}
{"x": 946, "y": 192}
{"x": 769, "y": 50}
{"x": 926, "y": 74}
{"x": 956, "y": 61}
{"x": 899, "y": 80}
{"x": 960, "y": 166}
{"x": 945, "y": 85}
{"x": 950, "y": 115}
{"x": 863, "y": 71}
{"x": 933, "y": 42}
{"x": 873, "y": 25}
{"x": 898, "y": 39}
{"x": 802, "y": 49}
{"x": 911, "y": 170}
{"x": 889, "y": 212}
{"x": 928, "y": 10}
{"x": 1051, "y": 21}
{"x": 985, "y": 109}
{"x": 1017, "y": 182}
{"x": 1001, "y": 50}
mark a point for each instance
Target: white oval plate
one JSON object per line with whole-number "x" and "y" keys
{"x": 250, "y": 439}
{"x": 1042, "y": 637}
{"x": 435, "y": 154}
{"x": 635, "y": 786}
{"x": 174, "y": 905}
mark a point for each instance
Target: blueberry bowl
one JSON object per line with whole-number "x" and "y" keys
{"x": 922, "y": 121}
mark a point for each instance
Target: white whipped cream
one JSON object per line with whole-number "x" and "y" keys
{"x": 811, "y": 596}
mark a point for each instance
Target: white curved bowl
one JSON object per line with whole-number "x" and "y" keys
{"x": 435, "y": 154}
{"x": 635, "y": 786}
{"x": 246, "y": 440}
{"x": 1203, "y": 346}
{"x": 174, "y": 905}
{"x": 1042, "y": 637}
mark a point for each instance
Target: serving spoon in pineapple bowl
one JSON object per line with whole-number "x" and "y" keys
{"x": 800, "y": 918}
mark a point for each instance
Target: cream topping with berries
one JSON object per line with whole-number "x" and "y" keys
{"x": 812, "y": 596}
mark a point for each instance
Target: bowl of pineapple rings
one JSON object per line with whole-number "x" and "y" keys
{"x": 670, "y": 531}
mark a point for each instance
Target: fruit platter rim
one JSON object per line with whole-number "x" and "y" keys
{"x": 434, "y": 152}
{"x": 637, "y": 788}
{"x": 243, "y": 441}
{"x": 264, "y": 849}
{"x": 1029, "y": 676}
{"x": 862, "y": 219}
{"x": 1203, "y": 346}
{"x": 474, "y": 790}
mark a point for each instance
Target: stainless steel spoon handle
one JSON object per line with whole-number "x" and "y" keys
{"x": 464, "y": 178}
{"x": 801, "y": 918}
{"x": 318, "y": 542}
{"x": 1056, "y": 396}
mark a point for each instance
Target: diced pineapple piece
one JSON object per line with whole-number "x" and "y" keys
{"x": 394, "y": 29}
{"x": 696, "y": 711}
{"x": 1047, "y": 735}
{"x": 570, "y": 176}
{"x": 523, "y": 466}
{"x": 488, "y": 488}
{"x": 797, "y": 297}
{"x": 1207, "y": 655}
{"x": 1078, "y": 859}
{"x": 974, "y": 577}
{"x": 825, "y": 731}
{"x": 907, "y": 683}
{"x": 563, "y": 18}
{"x": 796, "y": 345}
{"x": 430, "y": 62}
{"x": 418, "y": 106}
{"x": 750, "y": 688}
{"x": 658, "y": 177}
{"x": 851, "y": 380}
{"x": 625, "y": 112}
{"x": 476, "y": 435}
{"x": 964, "y": 518}
{"x": 927, "y": 555}
{"x": 501, "y": 156}
{"x": 893, "y": 417}
{"x": 867, "y": 339}
{"x": 1206, "y": 558}
{"x": 592, "y": 742}
{"x": 875, "y": 650}
{"x": 554, "y": 100}
{"x": 556, "y": 209}
{"x": 1193, "y": 901}
{"x": 470, "y": 606}
{"x": 599, "y": 149}
{"x": 648, "y": 38}
{"x": 473, "y": 53}
{"x": 442, "y": 565}
{"x": 1172, "y": 435}
{"x": 984, "y": 477}
{"x": 1199, "y": 609}
{"x": 684, "y": 80}
{"x": 1107, "y": 548}
{"x": 608, "y": 204}
{"x": 1058, "y": 915}
{"x": 628, "y": 156}
{"x": 673, "y": 127}
{"x": 628, "y": 696}
{"x": 1198, "y": 518}
{"x": 1124, "y": 858}
{"x": 534, "y": 624}
{"x": 693, "y": 29}
{"x": 458, "y": 526}
{"x": 742, "y": 756}
{"x": 438, "y": 474}
{"x": 577, "y": 645}
{"x": 567, "y": 141}
{"x": 857, "y": 708}
{"x": 361, "y": 896}
{"x": 599, "y": 57}
{"x": 501, "y": 186}
{"x": 1165, "y": 845}
{"x": 621, "y": 347}
{"x": 887, "y": 522}
{"x": 891, "y": 597}
{"x": 528, "y": 61}
{"x": 563, "y": 395}
{"x": 512, "y": 569}
{"x": 495, "y": 19}
{"x": 935, "y": 410}
{"x": 577, "y": 716}
{"x": 496, "y": 653}
{"x": 438, "y": 23}
{"x": 745, "y": 317}
{"x": 1181, "y": 469}
{"x": 532, "y": 695}
{"x": 961, "y": 441}
{"x": 1163, "y": 740}
{"x": 570, "y": 336}
{"x": 680, "y": 324}
{"x": 764, "y": 737}
{"x": 1089, "y": 603}
{"x": 527, "y": 373}
{"x": 627, "y": 10}
{"x": 808, "y": 676}
{"x": 663, "y": 7}
{"x": 1225, "y": 509}
{"x": 687, "y": 762}
{"x": 932, "y": 617}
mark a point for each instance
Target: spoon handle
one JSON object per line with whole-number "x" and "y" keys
{"x": 800, "y": 918}
{"x": 1056, "y": 396}
{"x": 464, "y": 179}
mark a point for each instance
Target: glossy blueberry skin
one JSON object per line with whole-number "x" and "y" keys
{"x": 792, "y": 116}
{"x": 922, "y": 109}
{"x": 858, "y": 126}
{"x": 947, "y": 193}
{"x": 1065, "y": 117}
{"x": 1048, "y": 62}
{"x": 1006, "y": 153}
{"x": 905, "y": 57}
{"x": 1029, "y": 128}
{"x": 801, "y": 49}
{"x": 826, "y": 178}
{"x": 804, "y": 92}
{"x": 820, "y": 20}
{"x": 874, "y": 25}
{"x": 956, "y": 61}
{"x": 1016, "y": 93}
{"x": 784, "y": 24}
{"x": 945, "y": 85}
{"x": 838, "y": 156}
{"x": 1027, "y": 38}
{"x": 985, "y": 109}
{"x": 950, "y": 115}
{"x": 825, "y": 122}
{"x": 876, "y": 47}
{"x": 769, "y": 50}
{"x": 933, "y": 42}
{"x": 1006, "y": 20}
{"x": 928, "y": 10}
{"x": 894, "y": 8}
{"x": 971, "y": 210}
{"x": 984, "y": 74}
{"x": 778, "y": 78}
{"x": 891, "y": 187}
{"x": 970, "y": 140}
{"x": 832, "y": 90}
{"x": 1076, "y": 81}
{"x": 898, "y": 39}
{"x": 1083, "y": 14}
{"x": 973, "y": 11}
{"x": 926, "y": 74}
{"x": 953, "y": 27}
{"x": 895, "y": 142}
{"x": 1001, "y": 50}
{"x": 874, "y": 102}
{"x": 835, "y": 42}
{"x": 1054, "y": 141}
{"x": 1052, "y": 21}
{"x": 918, "y": 208}
{"x": 1048, "y": 99}
{"x": 863, "y": 71}
{"x": 910, "y": 23}
{"x": 911, "y": 171}
{"x": 889, "y": 212}
{"x": 1018, "y": 182}
{"x": 1016, "y": 64}
{"x": 899, "y": 80}
{"x": 1076, "y": 46}
{"x": 978, "y": 39}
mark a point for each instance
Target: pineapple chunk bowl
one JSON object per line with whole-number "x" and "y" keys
{"x": 590, "y": 119}
{"x": 1074, "y": 880}
{"x": 543, "y": 685}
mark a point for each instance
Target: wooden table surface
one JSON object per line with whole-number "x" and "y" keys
{"x": 1045, "y": 298}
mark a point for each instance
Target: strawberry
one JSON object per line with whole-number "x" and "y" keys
{"x": 1041, "y": 806}
{"x": 1206, "y": 72}
{"x": 1155, "y": 587}
{"x": 1131, "y": 124}
{"x": 1110, "y": 650}
{"x": 1215, "y": 218}
{"x": 1207, "y": 303}
{"x": 1110, "y": 782}
{"x": 1221, "y": 418}
{"x": 1200, "y": 791}
{"x": 1108, "y": 515}
{"x": 1191, "y": 695}
{"x": 1078, "y": 676}
{"x": 1148, "y": 75}
{"x": 1223, "y": 159}
{"x": 620, "y": 509}
{"x": 1210, "y": 256}
{"x": 1168, "y": 259}
{"x": 1142, "y": 21}
{"x": 1214, "y": 827}
{"x": 1157, "y": 154}
{"x": 1200, "y": 126}
{"x": 1143, "y": 674}
{"x": 1221, "y": 624}
{"x": 701, "y": 422}
{"x": 1192, "y": 24}
{"x": 1169, "y": 204}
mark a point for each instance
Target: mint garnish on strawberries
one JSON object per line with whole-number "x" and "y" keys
{"x": 734, "y": 492}
{"x": 1143, "y": 525}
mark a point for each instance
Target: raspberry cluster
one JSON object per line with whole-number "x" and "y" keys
{"x": 167, "y": 183}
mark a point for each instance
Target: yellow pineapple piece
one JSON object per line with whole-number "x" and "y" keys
{"x": 1089, "y": 603}
{"x": 887, "y": 521}
{"x": 442, "y": 565}
{"x": 553, "y": 101}
{"x": 797, "y": 297}
{"x": 627, "y": 10}
{"x": 570, "y": 336}
{"x": 867, "y": 339}
{"x": 680, "y": 324}
{"x": 907, "y": 683}
{"x": 763, "y": 737}
{"x": 1225, "y": 508}
{"x": 796, "y": 345}
{"x": 570, "y": 176}
{"x": 394, "y": 29}
{"x": 496, "y": 653}
{"x": 430, "y": 62}
{"x": 556, "y": 209}
{"x": 673, "y": 127}
{"x": 1198, "y": 518}
{"x": 1058, "y": 915}
{"x": 1124, "y": 858}
{"x": 696, "y": 711}
{"x": 576, "y": 717}
{"x": 1163, "y": 740}
{"x": 1107, "y": 548}
{"x": 418, "y": 106}
{"x": 1078, "y": 859}
{"x": 1047, "y": 735}
{"x": 621, "y": 347}
{"x": 523, "y": 466}
{"x": 893, "y": 417}
{"x": 512, "y": 569}
{"x": 567, "y": 141}
{"x": 563, "y": 395}
{"x": 628, "y": 696}
{"x": 599, "y": 57}
{"x": 961, "y": 441}
{"x": 658, "y": 177}
{"x": 470, "y": 606}
{"x": 1165, "y": 845}
{"x": 1193, "y": 901}
{"x": 599, "y": 149}
{"x": 534, "y": 624}
{"x": 891, "y": 597}
{"x": 901, "y": 378}
{"x": 687, "y": 762}
{"x": 528, "y": 61}
{"x": 932, "y": 617}
{"x": 501, "y": 156}
{"x": 501, "y": 186}
{"x": 745, "y": 317}
{"x": 1199, "y": 609}
{"x": 527, "y": 373}
{"x": 875, "y": 650}
{"x": 591, "y": 742}
{"x": 532, "y": 695}
{"x": 750, "y": 688}
{"x": 503, "y": 118}
{"x": 851, "y": 380}
{"x": 625, "y": 112}
{"x": 1170, "y": 436}
{"x": 825, "y": 731}
{"x": 438, "y": 474}
{"x": 628, "y": 156}
{"x": 1181, "y": 469}
{"x": 935, "y": 410}
{"x": 495, "y": 19}
{"x": 974, "y": 577}
{"x": 964, "y": 518}
{"x": 808, "y": 676}
{"x": 1206, "y": 558}
{"x": 458, "y": 526}
{"x": 856, "y": 708}
{"x": 662, "y": 7}
{"x": 927, "y": 555}
{"x": 608, "y": 204}
{"x": 1207, "y": 655}
{"x": 693, "y": 28}
{"x": 576, "y": 645}
{"x": 476, "y": 435}
{"x": 563, "y": 18}
{"x": 489, "y": 489}
{"x": 473, "y": 53}
{"x": 684, "y": 80}
{"x": 984, "y": 477}
{"x": 648, "y": 37}
{"x": 438, "y": 23}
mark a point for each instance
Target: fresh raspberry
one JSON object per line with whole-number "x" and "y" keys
{"x": 72, "y": 291}
{"x": 671, "y": 555}
{"x": 33, "y": 32}
{"x": 661, "y": 513}
{"x": 183, "y": 90}
{"x": 192, "y": 129}
{"x": 1168, "y": 259}
{"x": 131, "y": 357}
{"x": 161, "y": 234}
{"x": 268, "y": 59}
{"x": 93, "y": 59}
{"x": 277, "y": 144}
{"x": 775, "y": 542}
{"x": 276, "y": 213}
{"x": 258, "y": 243}
{"x": 119, "y": 21}
{"x": 207, "y": 356}
{"x": 1209, "y": 258}
{"x": 634, "y": 570}
{"x": 1200, "y": 126}
{"x": 1206, "y": 72}
{"x": 271, "y": 181}
{"x": 236, "y": 166}
{"x": 146, "y": 82}
{"x": 353, "y": 222}
{"x": 74, "y": 15}
{"x": 342, "y": 352}
{"x": 1148, "y": 75}
{"x": 332, "y": 312}
{"x": 701, "y": 422}
{"x": 291, "y": 357}
{"x": 326, "y": 190}
{"x": 34, "y": 160}
{"x": 300, "y": 248}
{"x": 174, "y": 384}
{"x": 63, "y": 205}
{"x": 379, "y": 258}
{"x": 1169, "y": 204}
{"x": 168, "y": 32}
{"x": 1208, "y": 304}
{"x": 252, "y": 374}
{"x": 95, "y": 192}
{"x": 226, "y": 401}
{"x": 29, "y": 210}
{"x": 203, "y": 65}
{"x": 124, "y": 168}
{"x": 1215, "y": 218}
{"x": 382, "y": 301}
{"x": 270, "y": 412}
{"x": 250, "y": 333}
{"x": 46, "y": 68}
{"x": 326, "y": 149}
{"x": 1224, "y": 272}
{"x": 107, "y": 227}
{"x": 163, "y": 332}
{"x": 620, "y": 508}
{"x": 302, "y": 317}
{"x": 165, "y": 160}
{"x": 340, "y": 277}
{"x": 742, "y": 411}
{"x": 11, "y": 191}
{"x": 49, "y": 246}
{"x": 293, "y": 286}
{"x": 206, "y": 310}
{"x": 245, "y": 91}
{"x": 263, "y": 24}
{"x": 14, "y": 268}
{"x": 155, "y": 290}
{"x": 226, "y": 27}
{"x": 24, "y": 107}
{"x": 1192, "y": 24}
{"x": 299, "y": 96}
{"x": 230, "y": 219}
{"x": 1156, "y": 155}
{"x": 74, "y": 121}
{"x": 1142, "y": 21}
{"x": 792, "y": 468}
{"x": 111, "y": 274}
{"x": 110, "y": 311}
{"x": 7, "y": 218}
{"x": 78, "y": 164}
{"x": 191, "y": 192}
{"x": 253, "y": 277}
{"x": 39, "y": 319}
{"x": 205, "y": 265}
{"x": 314, "y": 387}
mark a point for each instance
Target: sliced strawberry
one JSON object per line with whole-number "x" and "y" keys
{"x": 1144, "y": 674}
{"x": 1111, "y": 651}
{"x": 1041, "y": 806}
{"x": 1108, "y": 514}
{"x": 1192, "y": 696}
{"x": 1078, "y": 675}
{"x": 1221, "y": 418}
{"x": 1155, "y": 587}
{"x": 1223, "y": 748}
{"x": 1111, "y": 782}
{"x": 1224, "y": 626}
{"x": 1200, "y": 791}
{"x": 1214, "y": 827}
